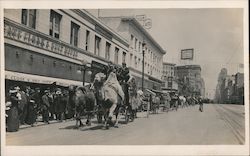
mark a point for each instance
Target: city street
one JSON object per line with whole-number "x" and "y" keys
{"x": 217, "y": 125}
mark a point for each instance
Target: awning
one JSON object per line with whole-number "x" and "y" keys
{"x": 150, "y": 92}
{"x": 16, "y": 76}
{"x": 157, "y": 91}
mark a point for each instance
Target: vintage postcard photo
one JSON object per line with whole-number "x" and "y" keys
{"x": 111, "y": 77}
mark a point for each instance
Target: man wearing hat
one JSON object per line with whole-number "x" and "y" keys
{"x": 13, "y": 115}
{"x": 22, "y": 105}
{"x": 45, "y": 106}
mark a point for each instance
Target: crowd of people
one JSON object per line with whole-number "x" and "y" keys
{"x": 25, "y": 104}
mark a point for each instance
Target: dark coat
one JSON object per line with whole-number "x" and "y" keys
{"x": 59, "y": 104}
{"x": 13, "y": 116}
{"x": 31, "y": 112}
{"x": 45, "y": 102}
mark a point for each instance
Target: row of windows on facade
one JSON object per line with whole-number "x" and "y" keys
{"x": 32, "y": 59}
{"x": 138, "y": 46}
{"x": 29, "y": 19}
{"x": 149, "y": 68}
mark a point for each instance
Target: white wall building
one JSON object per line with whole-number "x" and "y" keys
{"x": 69, "y": 37}
{"x": 132, "y": 30}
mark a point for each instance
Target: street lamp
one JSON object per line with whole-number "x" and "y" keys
{"x": 85, "y": 66}
{"x": 143, "y": 55}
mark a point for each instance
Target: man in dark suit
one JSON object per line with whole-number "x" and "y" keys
{"x": 45, "y": 107}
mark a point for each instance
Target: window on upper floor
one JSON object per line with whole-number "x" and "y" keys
{"x": 124, "y": 57}
{"x": 136, "y": 43}
{"x": 131, "y": 58}
{"x": 107, "y": 51}
{"x": 97, "y": 45}
{"x": 29, "y": 17}
{"x": 116, "y": 55}
{"x": 139, "y": 46}
{"x": 131, "y": 40}
{"x": 74, "y": 34}
{"x": 55, "y": 20}
{"x": 87, "y": 40}
{"x": 135, "y": 62}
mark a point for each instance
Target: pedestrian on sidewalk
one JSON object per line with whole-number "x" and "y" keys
{"x": 22, "y": 107}
{"x": 200, "y": 101}
{"x": 31, "y": 110}
{"x": 13, "y": 116}
{"x": 45, "y": 107}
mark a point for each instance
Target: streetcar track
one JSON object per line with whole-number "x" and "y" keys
{"x": 231, "y": 124}
{"x": 235, "y": 132}
{"x": 235, "y": 113}
{"x": 232, "y": 119}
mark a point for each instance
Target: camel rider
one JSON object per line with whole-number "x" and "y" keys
{"x": 108, "y": 69}
{"x": 124, "y": 77}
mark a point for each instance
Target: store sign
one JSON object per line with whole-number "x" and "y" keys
{"x": 187, "y": 54}
{"x": 38, "y": 40}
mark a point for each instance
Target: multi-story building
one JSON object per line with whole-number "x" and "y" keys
{"x": 46, "y": 46}
{"x": 169, "y": 77}
{"x": 133, "y": 31}
{"x": 189, "y": 80}
{"x": 232, "y": 89}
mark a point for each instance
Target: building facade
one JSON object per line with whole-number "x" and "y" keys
{"x": 189, "y": 80}
{"x": 133, "y": 31}
{"x": 46, "y": 46}
{"x": 169, "y": 77}
{"x": 232, "y": 89}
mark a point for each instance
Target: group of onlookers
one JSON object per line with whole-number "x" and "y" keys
{"x": 24, "y": 105}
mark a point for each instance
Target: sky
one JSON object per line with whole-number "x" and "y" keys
{"x": 215, "y": 34}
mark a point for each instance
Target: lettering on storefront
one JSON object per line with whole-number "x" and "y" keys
{"x": 37, "y": 40}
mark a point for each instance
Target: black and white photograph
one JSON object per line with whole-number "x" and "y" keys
{"x": 125, "y": 78}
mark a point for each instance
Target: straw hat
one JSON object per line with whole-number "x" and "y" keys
{"x": 17, "y": 88}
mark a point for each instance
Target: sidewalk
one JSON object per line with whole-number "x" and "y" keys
{"x": 40, "y": 123}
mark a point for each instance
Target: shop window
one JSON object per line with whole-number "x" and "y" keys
{"x": 97, "y": 45}
{"x": 74, "y": 34}
{"x": 55, "y": 20}
{"x": 107, "y": 51}
{"x": 29, "y": 17}
{"x": 87, "y": 40}
{"x": 116, "y": 55}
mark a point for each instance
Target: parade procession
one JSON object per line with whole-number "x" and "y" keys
{"x": 106, "y": 90}
{"x": 111, "y": 76}
{"x": 112, "y": 93}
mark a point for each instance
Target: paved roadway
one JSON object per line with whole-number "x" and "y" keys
{"x": 218, "y": 124}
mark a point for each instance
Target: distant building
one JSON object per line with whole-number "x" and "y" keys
{"x": 169, "y": 77}
{"x": 133, "y": 31}
{"x": 190, "y": 81}
{"x": 230, "y": 89}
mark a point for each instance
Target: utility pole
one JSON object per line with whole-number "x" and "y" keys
{"x": 143, "y": 55}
